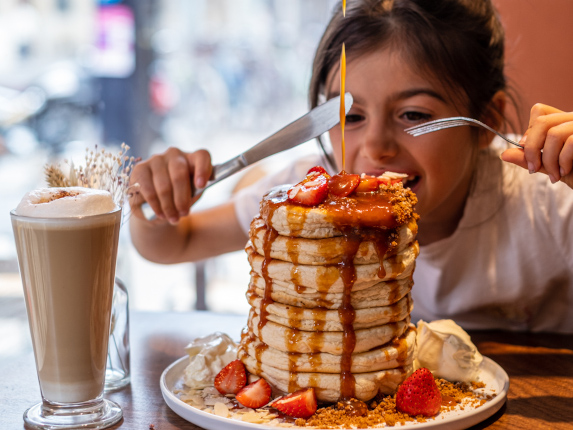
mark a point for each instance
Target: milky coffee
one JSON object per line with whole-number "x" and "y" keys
{"x": 68, "y": 268}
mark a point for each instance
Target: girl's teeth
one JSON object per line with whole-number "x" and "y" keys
{"x": 410, "y": 181}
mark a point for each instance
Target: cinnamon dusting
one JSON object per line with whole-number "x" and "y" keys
{"x": 60, "y": 194}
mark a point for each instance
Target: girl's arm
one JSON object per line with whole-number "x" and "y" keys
{"x": 177, "y": 235}
{"x": 550, "y": 130}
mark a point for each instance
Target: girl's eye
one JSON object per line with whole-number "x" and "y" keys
{"x": 351, "y": 118}
{"x": 414, "y": 116}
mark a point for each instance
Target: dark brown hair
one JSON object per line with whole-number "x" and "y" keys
{"x": 459, "y": 42}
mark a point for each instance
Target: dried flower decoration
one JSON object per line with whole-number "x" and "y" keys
{"x": 103, "y": 170}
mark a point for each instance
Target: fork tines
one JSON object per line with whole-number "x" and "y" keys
{"x": 436, "y": 125}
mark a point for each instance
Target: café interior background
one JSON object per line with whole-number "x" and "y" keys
{"x": 215, "y": 74}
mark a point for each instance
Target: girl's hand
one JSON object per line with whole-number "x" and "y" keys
{"x": 550, "y": 130}
{"x": 165, "y": 182}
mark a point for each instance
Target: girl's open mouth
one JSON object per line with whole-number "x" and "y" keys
{"x": 411, "y": 181}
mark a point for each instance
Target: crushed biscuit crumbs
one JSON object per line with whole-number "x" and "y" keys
{"x": 403, "y": 201}
{"x": 380, "y": 412}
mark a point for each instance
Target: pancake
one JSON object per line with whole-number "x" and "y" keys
{"x": 327, "y": 278}
{"x": 396, "y": 353}
{"x": 294, "y": 340}
{"x": 330, "y": 250}
{"x": 318, "y": 319}
{"x": 318, "y": 222}
{"x": 328, "y": 385}
{"x": 381, "y": 294}
{"x": 330, "y": 286}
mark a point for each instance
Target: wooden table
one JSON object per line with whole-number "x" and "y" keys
{"x": 540, "y": 368}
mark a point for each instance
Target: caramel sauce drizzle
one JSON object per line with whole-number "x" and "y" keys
{"x": 347, "y": 313}
{"x": 381, "y": 245}
{"x": 269, "y": 237}
{"x": 358, "y": 219}
{"x": 342, "y": 104}
{"x": 346, "y": 268}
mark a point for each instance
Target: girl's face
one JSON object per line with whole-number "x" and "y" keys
{"x": 389, "y": 97}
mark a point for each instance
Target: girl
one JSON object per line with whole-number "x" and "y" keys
{"x": 494, "y": 239}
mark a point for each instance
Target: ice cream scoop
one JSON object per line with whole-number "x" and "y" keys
{"x": 447, "y": 351}
{"x": 207, "y": 356}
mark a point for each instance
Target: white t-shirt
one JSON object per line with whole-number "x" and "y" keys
{"x": 508, "y": 265}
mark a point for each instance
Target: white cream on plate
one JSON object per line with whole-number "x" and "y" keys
{"x": 65, "y": 202}
{"x": 207, "y": 356}
{"x": 447, "y": 351}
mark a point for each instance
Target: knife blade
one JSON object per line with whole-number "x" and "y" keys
{"x": 316, "y": 122}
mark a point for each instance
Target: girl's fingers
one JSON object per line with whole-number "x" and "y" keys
{"x": 554, "y": 158}
{"x": 180, "y": 175}
{"x": 514, "y": 156}
{"x": 165, "y": 182}
{"x": 545, "y": 135}
{"x": 202, "y": 168}
{"x": 533, "y": 153}
{"x": 143, "y": 177}
{"x": 566, "y": 155}
{"x": 539, "y": 109}
{"x": 517, "y": 156}
{"x": 164, "y": 188}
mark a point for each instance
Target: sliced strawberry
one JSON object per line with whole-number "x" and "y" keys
{"x": 255, "y": 395}
{"x": 232, "y": 378}
{"x": 368, "y": 184}
{"x": 317, "y": 169}
{"x": 419, "y": 394}
{"x": 300, "y": 404}
{"x": 389, "y": 181}
{"x": 311, "y": 191}
{"x": 343, "y": 184}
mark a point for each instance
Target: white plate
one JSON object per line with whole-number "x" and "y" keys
{"x": 491, "y": 373}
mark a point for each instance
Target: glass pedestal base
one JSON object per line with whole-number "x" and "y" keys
{"x": 104, "y": 413}
{"x": 115, "y": 380}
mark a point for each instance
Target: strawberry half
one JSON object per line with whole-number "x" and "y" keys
{"x": 311, "y": 191}
{"x": 391, "y": 178}
{"x": 255, "y": 395}
{"x": 368, "y": 184}
{"x": 419, "y": 394}
{"x": 343, "y": 184}
{"x": 232, "y": 378}
{"x": 300, "y": 404}
{"x": 317, "y": 169}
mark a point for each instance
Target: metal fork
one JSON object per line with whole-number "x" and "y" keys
{"x": 456, "y": 121}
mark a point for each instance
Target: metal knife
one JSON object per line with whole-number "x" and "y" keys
{"x": 316, "y": 122}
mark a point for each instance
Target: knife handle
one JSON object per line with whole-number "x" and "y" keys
{"x": 220, "y": 172}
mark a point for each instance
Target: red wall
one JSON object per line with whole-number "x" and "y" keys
{"x": 539, "y": 51}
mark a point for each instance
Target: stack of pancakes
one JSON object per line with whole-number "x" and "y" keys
{"x": 330, "y": 294}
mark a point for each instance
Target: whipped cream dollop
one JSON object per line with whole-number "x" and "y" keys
{"x": 65, "y": 202}
{"x": 447, "y": 351}
{"x": 207, "y": 356}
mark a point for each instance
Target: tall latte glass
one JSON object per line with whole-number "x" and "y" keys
{"x": 67, "y": 264}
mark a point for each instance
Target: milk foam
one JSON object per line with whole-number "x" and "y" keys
{"x": 65, "y": 202}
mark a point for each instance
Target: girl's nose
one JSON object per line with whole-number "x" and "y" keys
{"x": 379, "y": 143}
